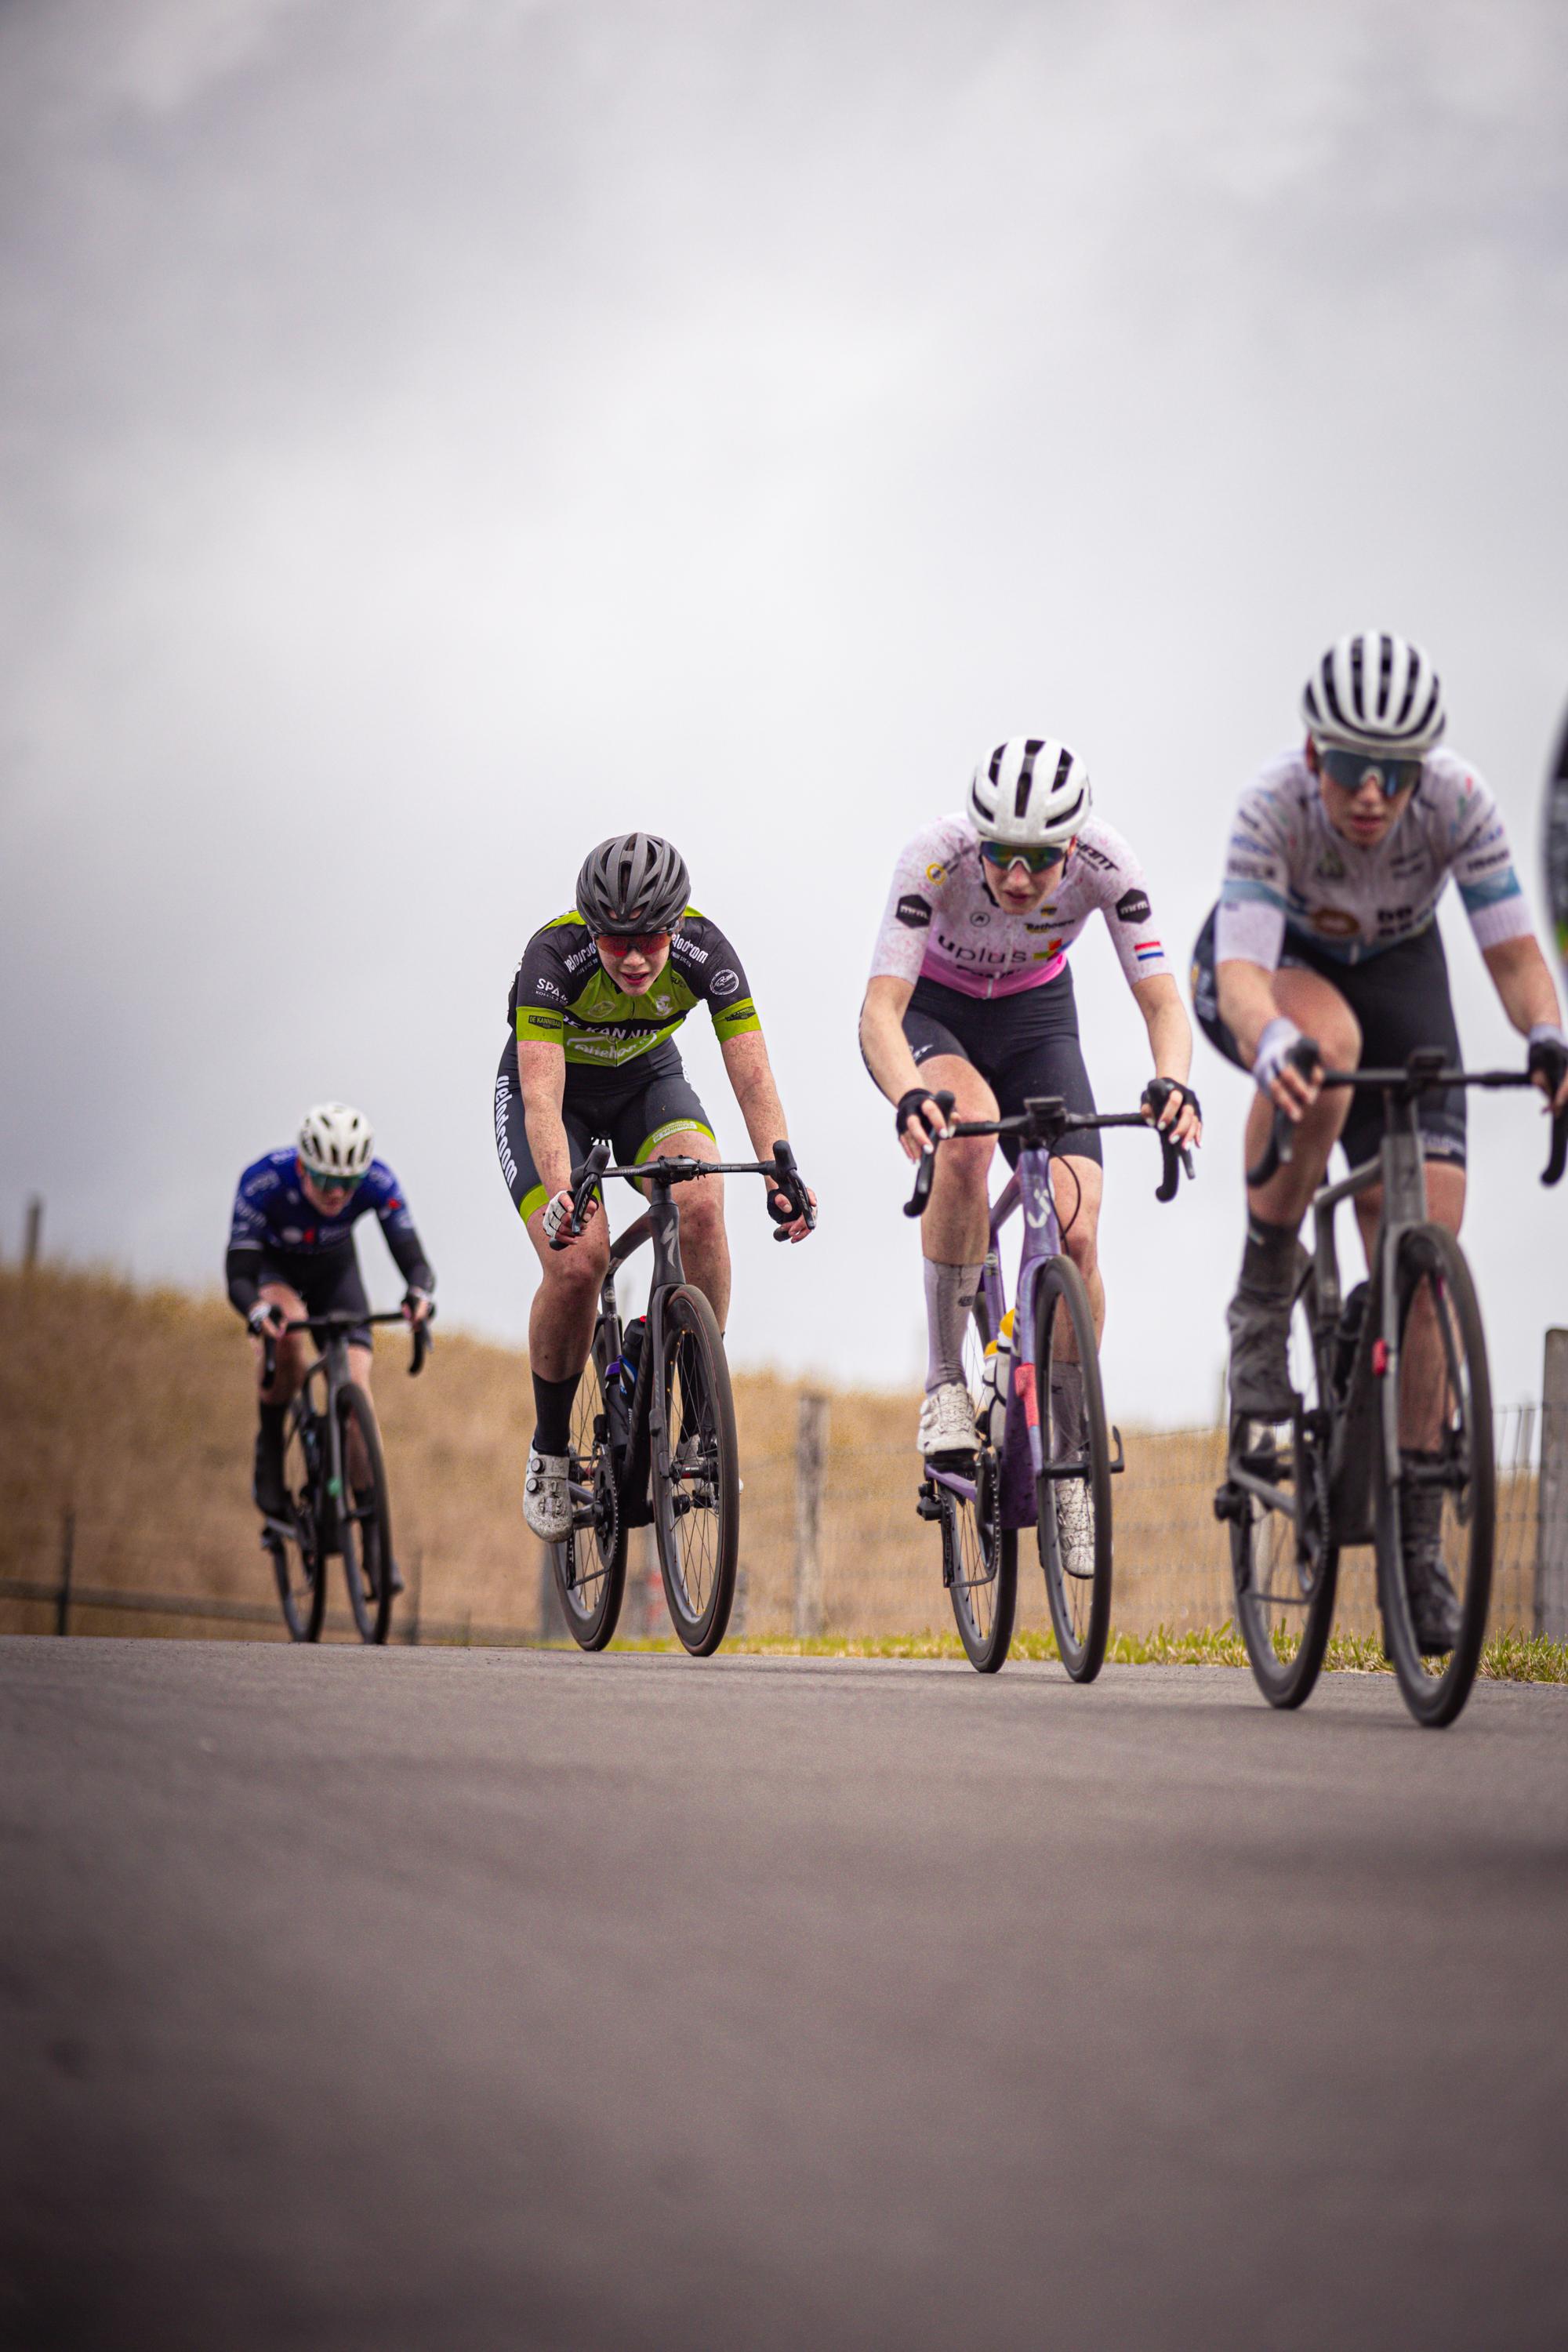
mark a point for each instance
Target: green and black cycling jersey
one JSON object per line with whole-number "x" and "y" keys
{"x": 563, "y": 995}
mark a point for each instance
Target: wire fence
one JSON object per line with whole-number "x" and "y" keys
{"x": 850, "y": 1558}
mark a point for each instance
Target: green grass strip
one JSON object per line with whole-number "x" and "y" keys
{"x": 1508, "y": 1657}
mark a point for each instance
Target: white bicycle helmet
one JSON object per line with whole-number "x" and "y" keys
{"x": 1031, "y": 792}
{"x": 1374, "y": 692}
{"x": 334, "y": 1143}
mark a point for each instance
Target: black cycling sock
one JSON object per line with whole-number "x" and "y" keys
{"x": 272, "y": 1422}
{"x": 1269, "y": 1261}
{"x": 553, "y": 1413}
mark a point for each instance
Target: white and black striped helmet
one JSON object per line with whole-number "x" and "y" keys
{"x": 1374, "y": 692}
{"x": 635, "y": 882}
{"x": 1031, "y": 792}
{"x": 334, "y": 1143}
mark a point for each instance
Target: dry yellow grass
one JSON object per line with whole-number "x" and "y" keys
{"x": 133, "y": 1410}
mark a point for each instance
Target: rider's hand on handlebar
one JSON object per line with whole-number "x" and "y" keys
{"x": 1276, "y": 1075}
{"x": 1548, "y": 1063}
{"x": 417, "y": 1305}
{"x": 263, "y": 1318}
{"x": 920, "y": 1120}
{"x": 1171, "y": 1105}
{"x": 558, "y": 1218}
{"x": 791, "y": 1227}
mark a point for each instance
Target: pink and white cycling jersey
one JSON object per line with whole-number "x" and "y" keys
{"x": 941, "y": 922}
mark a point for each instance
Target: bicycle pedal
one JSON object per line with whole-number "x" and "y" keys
{"x": 927, "y": 1506}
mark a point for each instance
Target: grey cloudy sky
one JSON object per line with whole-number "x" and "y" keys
{"x": 435, "y": 436}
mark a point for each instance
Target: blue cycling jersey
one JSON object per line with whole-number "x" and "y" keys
{"x": 272, "y": 1214}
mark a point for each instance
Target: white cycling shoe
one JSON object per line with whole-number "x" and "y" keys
{"x": 547, "y": 1497}
{"x": 947, "y": 1421}
{"x": 1075, "y": 1526}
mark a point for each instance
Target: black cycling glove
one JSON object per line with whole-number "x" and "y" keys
{"x": 908, "y": 1112}
{"x": 1548, "y": 1055}
{"x": 1158, "y": 1093}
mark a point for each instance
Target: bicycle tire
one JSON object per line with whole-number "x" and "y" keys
{"x": 1456, "y": 1401}
{"x": 979, "y": 1566}
{"x": 1285, "y": 1594}
{"x": 297, "y": 1564}
{"x": 697, "y": 1511}
{"x": 591, "y": 1575}
{"x": 1079, "y": 1594}
{"x": 364, "y": 1519}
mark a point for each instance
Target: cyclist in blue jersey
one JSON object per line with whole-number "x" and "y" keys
{"x": 292, "y": 1253}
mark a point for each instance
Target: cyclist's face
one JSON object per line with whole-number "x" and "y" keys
{"x": 1019, "y": 892}
{"x": 327, "y": 1198}
{"x": 633, "y": 963}
{"x": 1366, "y": 814}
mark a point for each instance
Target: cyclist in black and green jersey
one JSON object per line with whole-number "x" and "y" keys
{"x": 598, "y": 996}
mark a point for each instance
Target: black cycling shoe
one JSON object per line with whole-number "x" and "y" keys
{"x": 1259, "y": 1332}
{"x": 1434, "y": 1610}
{"x": 267, "y": 1490}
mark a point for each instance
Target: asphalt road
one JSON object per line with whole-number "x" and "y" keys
{"x": 472, "y": 1999}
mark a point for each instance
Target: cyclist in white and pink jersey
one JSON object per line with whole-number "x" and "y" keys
{"x": 969, "y": 994}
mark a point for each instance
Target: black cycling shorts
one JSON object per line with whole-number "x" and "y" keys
{"x": 632, "y": 1109}
{"x": 328, "y": 1281}
{"x": 1400, "y": 997}
{"x": 1021, "y": 1046}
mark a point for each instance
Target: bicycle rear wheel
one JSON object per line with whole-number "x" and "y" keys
{"x": 1284, "y": 1566}
{"x": 297, "y": 1562}
{"x": 1073, "y": 1492}
{"x": 590, "y": 1565}
{"x": 1436, "y": 1514}
{"x": 979, "y": 1566}
{"x": 364, "y": 1516}
{"x": 696, "y": 1508}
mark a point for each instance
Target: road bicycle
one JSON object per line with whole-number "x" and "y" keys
{"x": 327, "y": 1512}
{"x": 1391, "y": 1433}
{"x": 653, "y": 1422}
{"x": 1043, "y": 1457}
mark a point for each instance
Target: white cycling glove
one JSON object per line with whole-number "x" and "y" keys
{"x": 264, "y": 1317}
{"x": 557, "y": 1212}
{"x": 1272, "y": 1047}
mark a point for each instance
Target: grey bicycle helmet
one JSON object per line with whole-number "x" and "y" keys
{"x": 1374, "y": 692}
{"x": 635, "y": 882}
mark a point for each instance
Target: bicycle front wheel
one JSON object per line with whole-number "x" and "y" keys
{"x": 364, "y": 1515}
{"x": 1073, "y": 1492}
{"x": 697, "y": 1507}
{"x": 1437, "y": 1505}
{"x": 297, "y": 1564}
{"x": 590, "y": 1565}
{"x": 1284, "y": 1566}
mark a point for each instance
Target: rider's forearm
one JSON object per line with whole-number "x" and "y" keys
{"x": 240, "y": 1270}
{"x": 1523, "y": 977}
{"x": 1246, "y": 1003}
{"x": 882, "y": 1038}
{"x": 751, "y": 1074}
{"x": 542, "y": 1079}
{"x": 1169, "y": 1031}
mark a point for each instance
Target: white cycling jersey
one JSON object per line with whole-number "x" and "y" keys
{"x": 1288, "y": 872}
{"x": 941, "y": 922}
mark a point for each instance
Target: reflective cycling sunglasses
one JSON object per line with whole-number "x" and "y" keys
{"x": 334, "y": 1183}
{"x": 622, "y": 943}
{"x": 1350, "y": 771}
{"x": 1038, "y": 861}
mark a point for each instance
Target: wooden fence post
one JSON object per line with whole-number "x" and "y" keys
{"x": 35, "y": 1233}
{"x": 810, "y": 1466}
{"x": 1551, "y": 1494}
{"x": 68, "y": 1551}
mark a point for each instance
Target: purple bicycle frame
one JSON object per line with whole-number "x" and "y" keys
{"x": 1022, "y": 1454}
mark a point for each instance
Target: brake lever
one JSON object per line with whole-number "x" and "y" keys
{"x": 1558, "y": 1158}
{"x": 269, "y": 1355}
{"x": 423, "y": 1337}
{"x": 1281, "y": 1149}
{"x": 582, "y": 1182}
{"x": 915, "y": 1206}
{"x": 788, "y": 1182}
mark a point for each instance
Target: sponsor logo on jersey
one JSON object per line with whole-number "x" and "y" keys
{"x": 979, "y": 917}
{"x": 1093, "y": 856}
{"x": 661, "y": 1004}
{"x": 1334, "y": 923}
{"x": 292, "y": 1235}
{"x": 1043, "y": 926}
{"x": 546, "y": 988}
{"x": 977, "y": 952}
{"x": 590, "y": 954}
{"x": 687, "y": 951}
{"x": 1132, "y": 907}
{"x": 1149, "y": 951}
{"x": 913, "y": 911}
{"x": 543, "y": 1020}
{"x": 937, "y": 874}
{"x": 268, "y": 1181}
{"x": 724, "y": 982}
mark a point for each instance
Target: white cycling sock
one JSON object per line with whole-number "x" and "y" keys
{"x": 950, "y": 1297}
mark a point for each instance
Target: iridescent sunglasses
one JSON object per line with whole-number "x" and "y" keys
{"x": 1350, "y": 771}
{"x": 1038, "y": 861}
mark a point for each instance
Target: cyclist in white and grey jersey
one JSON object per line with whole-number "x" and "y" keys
{"x": 1326, "y": 929}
